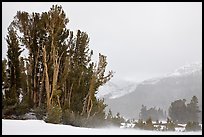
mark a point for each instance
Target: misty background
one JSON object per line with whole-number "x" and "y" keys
{"x": 146, "y": 43}
{"x": 140, "y": 40}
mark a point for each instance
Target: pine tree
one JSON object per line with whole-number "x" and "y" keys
{"x": 109, "y": 115}
{"x": 170, "y": 125}
{"x": 182, "y": 113}
{"x": 142, "y": 114}
{"x": 14, "y": 76}
{"x": 59, "y": 76}
{"x": 178, "y": 111}
{"x": 193, "y": 110}
{"x": 149, "y": 125}
{"x": 29, "y": 26}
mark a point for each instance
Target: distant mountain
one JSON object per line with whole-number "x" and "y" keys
{"x": 184, "y": 82}
{"x": 115, "y": 89}
{"x": 190, "y": 69}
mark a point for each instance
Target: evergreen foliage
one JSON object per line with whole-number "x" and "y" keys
{"x": 140, "y": 124}
{"x": 192, "y": 126}
{"x": 170, "y": 126}
{"x": 193, "y": 110}
{"x": 54, "y": 115}
{"x": 57, "y": 80}
{"x": 148, "y": 124}
{"x": 155, "y": 114}
{"x": 182, "y": 113}
{"x": 117, "y": 120}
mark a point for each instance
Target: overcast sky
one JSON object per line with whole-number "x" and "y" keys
{"x": 141, "y": 40}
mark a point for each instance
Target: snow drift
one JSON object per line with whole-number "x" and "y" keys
{"x": 39, "y": 127}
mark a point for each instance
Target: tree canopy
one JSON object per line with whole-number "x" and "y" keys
{"x": 59, "y": 78}
{"x": 180, "y": 112}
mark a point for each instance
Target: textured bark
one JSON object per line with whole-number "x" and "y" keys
{"x": 47, "y": 85}
{"x": 28, "y": 80}
{"x": 91, "y": 106}
{"x": 54, "y": 81}
{"x": 88, "y": 102}
{"x": 41, "y": 89}
{"x": 58, "y": 101}
{"x": 34, "y": 88}
{"x": 36, "y": 85}
{"x": 70, "y": 94}
{"x": 91, "y": 94}
{"x": 85, "y": 104}
{"x": 56, "y": 60}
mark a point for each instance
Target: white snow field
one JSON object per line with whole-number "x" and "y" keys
{"x": 39, "y": 127}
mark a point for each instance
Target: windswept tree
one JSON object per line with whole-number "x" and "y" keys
{"x": 29, "y": 28}
{"x": 59, "y": 76}
{"x": 14, "y": 77}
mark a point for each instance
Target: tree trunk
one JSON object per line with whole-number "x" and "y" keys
{"x": 55, "y": 77}
{"x": 69, "y": 95}
{"x": 47, "y": 84}
{"x": 88, "y": 102}
{"x": 34, "y": 87}
{"x": 41, "y": 88}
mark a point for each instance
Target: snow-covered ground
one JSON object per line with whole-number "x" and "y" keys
{"x": 39, "y": 127}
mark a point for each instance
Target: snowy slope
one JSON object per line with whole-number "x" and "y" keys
{"x": 39, "y": 127}
{"x": 118, "y": 88}
{"x": 183, "y": 83}
{"x": 115, "y": 89}
{"x": 189, "y": 69}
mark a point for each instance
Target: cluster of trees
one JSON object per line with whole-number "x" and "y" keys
{"x": 114, "y": 120}
{"x": 169, "y": 125}
{"x": 153, "y": 113}
{"x": 180, "y": 112}
{"x": 149, "y": 125}
{"x": 57, "y": 79}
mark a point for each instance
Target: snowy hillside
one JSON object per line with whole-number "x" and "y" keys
{"x": 38, "y": 127}
{"x": 189, "y": 69}
{"x": 115, "y": 89}
{"x": 118, "y": 88}
{"x": 183, "y": 83}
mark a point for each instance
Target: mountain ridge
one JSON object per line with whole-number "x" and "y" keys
{"x": 159, "y": 92}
